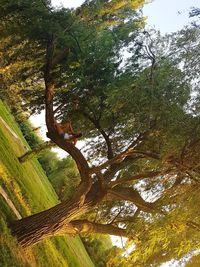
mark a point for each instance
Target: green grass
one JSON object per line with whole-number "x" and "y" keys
{"x": 29, "y": 189}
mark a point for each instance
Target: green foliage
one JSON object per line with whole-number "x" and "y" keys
{"x": 84, "y": 48}
{"x": 10, "y": 253}
{"x": 103, "y": 253}
{"x": 64, "y": 177}
{"x": 98, "y": 248}
{"x": 48, "y": 161}
{"x": 104, "y": 14}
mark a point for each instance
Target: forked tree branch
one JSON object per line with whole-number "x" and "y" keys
{"x": 128, "y": 179}
{"x": 103, "y": 133}
{"x": 120, "y": 157}
{"x": 132, "y": 195}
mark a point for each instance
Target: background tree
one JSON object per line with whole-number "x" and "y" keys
{"x": 99, "y": 248}
{"x": 65, "y": 178}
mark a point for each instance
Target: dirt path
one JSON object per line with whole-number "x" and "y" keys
{"x": 9, "y": 129}
{"x": 10, "y": 203}
{"x": 2, "y": 191}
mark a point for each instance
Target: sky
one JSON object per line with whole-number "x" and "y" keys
{"x": 169, "y": 15}
{"x": 67, "y": 3}
{"x": 165, "y": 15}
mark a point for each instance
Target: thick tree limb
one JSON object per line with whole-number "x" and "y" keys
{"x": 84, "y": 226}
{"x": 37, "y": 227}
{"x": 124, "y": 180}
{"x": 132, "y": 195}
{"x": 101, "y": 181}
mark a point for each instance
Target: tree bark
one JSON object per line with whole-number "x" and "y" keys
{"x": 85, "y": 226}
{"x": 51, "y": 222}
{"x": 56, "y": 220}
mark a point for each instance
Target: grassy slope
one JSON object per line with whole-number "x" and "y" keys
{"x": 31, "y": 192}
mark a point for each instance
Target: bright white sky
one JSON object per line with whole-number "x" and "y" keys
{"x": 169, "y": 15}
{"x": 67, "y": 3}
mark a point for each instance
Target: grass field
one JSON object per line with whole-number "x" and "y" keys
{"x": 30, "y": 191}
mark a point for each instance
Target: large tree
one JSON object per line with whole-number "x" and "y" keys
{"x": 141, "y": 155}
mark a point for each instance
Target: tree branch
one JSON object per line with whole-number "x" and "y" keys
{"x": 134, "y": 177}
{"x": 59, "y": 57}
{"x": 105, "y": 136}
{"x": 58, "y": 108}
{"x": 49, "y": 86}
{"x": 85, "y": 226}
{"x": 110, "y": 173}
{"x": 132, "y": 195}
{"x": 121, "y": 156}
{"x": 75, "y": 153}
{"x": 193, "y": 225}
{"x": 139, "y": 138}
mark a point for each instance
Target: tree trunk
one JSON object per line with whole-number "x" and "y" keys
{"x": 51, "y": 222}
{"x": 36, "y": 151}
